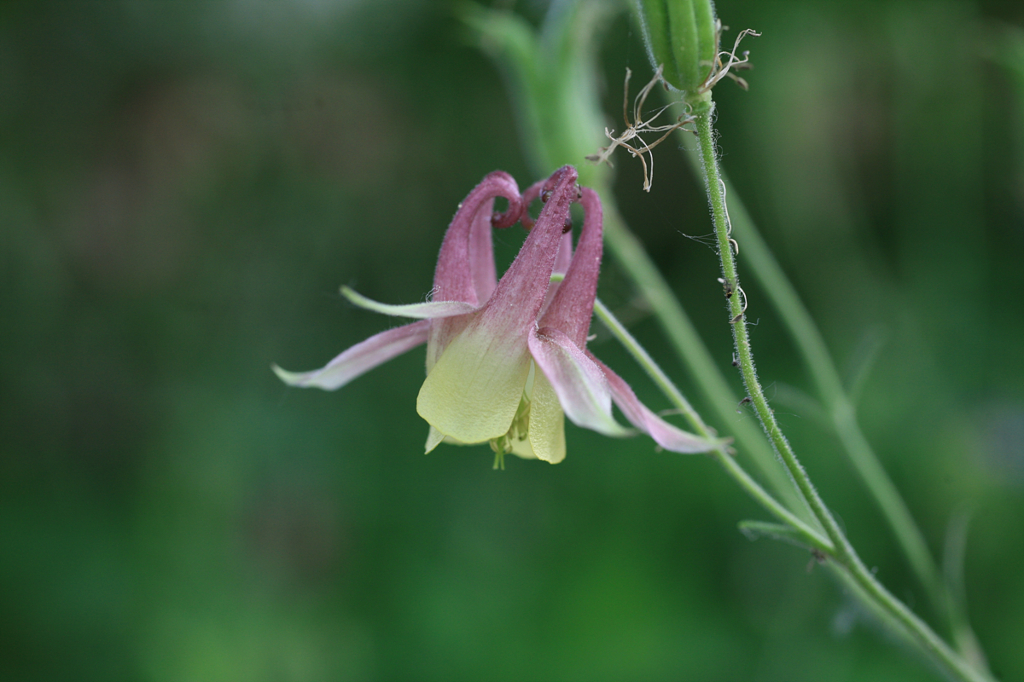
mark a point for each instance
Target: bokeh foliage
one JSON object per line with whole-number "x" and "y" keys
{"x": 183, "y": 186}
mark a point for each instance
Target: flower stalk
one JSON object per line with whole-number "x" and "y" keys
{"x": 843, "y": 553}
{"x": 839, "y": 410}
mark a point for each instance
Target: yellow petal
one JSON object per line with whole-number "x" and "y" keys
{"x": 473, "y": 391}
{"x": 547, "y": 422}
{"x": 434, "y": 439}
{"x": 522, "y": 448}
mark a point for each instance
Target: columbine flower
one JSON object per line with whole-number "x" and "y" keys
{"x": 507, "y": 361}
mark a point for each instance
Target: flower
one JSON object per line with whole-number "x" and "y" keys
{"x": 507, "y": 360}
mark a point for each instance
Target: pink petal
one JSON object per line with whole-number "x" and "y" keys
{"x": 663, "y": 433}
{"x": 481, "y": 253}
{"x": 465, "y": 265}
{"x": 573, "y": 305}
{"x": 517, "y": 300}
{"x": 578, "y": 381}
{"x": 562, "y": 262}
{"x": 419, "y": 311}
{"x": 360, "y": 358}
{"x": 564, "y": 257}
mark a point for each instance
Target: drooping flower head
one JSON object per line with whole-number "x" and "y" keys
{"x": 507, "y": 360}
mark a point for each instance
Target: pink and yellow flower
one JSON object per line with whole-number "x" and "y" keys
{"x": 507, "y": 360}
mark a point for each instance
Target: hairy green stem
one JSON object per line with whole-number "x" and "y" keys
{"x": 844, "y": 553}
{"x": 841, "y": 412}
{"x": 692, "y": 351}
{"x": 809, "y": 535}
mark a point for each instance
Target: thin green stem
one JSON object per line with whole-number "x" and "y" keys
{"x": 692, "y": 351}
{"x": 809, "y": 535}
{"x": 737, "y": 301}
{"x": 844, "y": 553}
{"x": 841, "y": 411}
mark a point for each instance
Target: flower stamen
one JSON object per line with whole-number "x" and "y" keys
{"x": 720, "y": 70}
{"x": 640, "y": 127}
{"x": 517, "y": 432}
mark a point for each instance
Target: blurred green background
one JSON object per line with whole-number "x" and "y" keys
{"x": 184, "y": 186}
